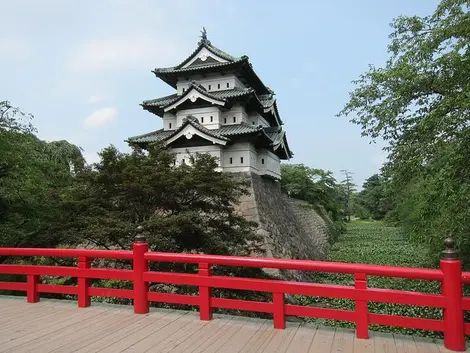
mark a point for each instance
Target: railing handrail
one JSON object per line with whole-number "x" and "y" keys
{"x": 300, "y": 265}
{"x": 70, "y": 253}
{"x": 238, "y": 261}
{"x": 449, "y": 274}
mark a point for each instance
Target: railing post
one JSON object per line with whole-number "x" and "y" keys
{"x": 205, "y": 294}
{"x": 362, "y": 313}
{"x": 84, "y": 300}
{"x": 279, "y": 311}
{"x": 32, "y": 293}
{"x": 454, "y": 328}
{"x": 140, "y": 265}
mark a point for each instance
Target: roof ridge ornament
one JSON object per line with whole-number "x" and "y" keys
{"x": 204, "y": 39}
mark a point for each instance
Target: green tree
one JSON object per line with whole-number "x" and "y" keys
{"x": 316, "y": 186}
{"x": 187, "y": 208}
{"x": 33, "y": 174}
{"x": 373, "y": 197}
{"x": 419, "y": 104}
{"x": 347, "y": 188}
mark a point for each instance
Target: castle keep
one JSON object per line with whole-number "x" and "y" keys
{"x": 220, "y": 107}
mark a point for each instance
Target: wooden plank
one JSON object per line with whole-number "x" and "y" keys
{"x": 302, "y": 340}
{"x": 405, "y": 344}
{"x": 384, "y": 342}
{"x": 323, "y": 340}
{"x": 83, "y": 333}
{"x": 363, "y": 345}
{"x": 425, "y": 346}
{"x": 122, "y": 332}
{"x": 66, "y": 322}
{"x": 244, "y": 335}
{"x": 223, "y": 335}
{"x": 213, "y": 328}
{"x": 158, "y": 338}
{"x": 195, "y": 329}
{"x": 281, "y": 339}
{"x": 123, "y": 344}
{"x": 54, "y": 339}
{"x": 23, "y": 329}
{"x": 257, "y": 340}
{"x": 343, "y": 341}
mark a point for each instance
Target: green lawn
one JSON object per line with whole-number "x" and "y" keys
{"x": 375, "y": 243}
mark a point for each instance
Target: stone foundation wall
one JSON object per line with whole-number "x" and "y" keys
{"x": 290, "y": 228}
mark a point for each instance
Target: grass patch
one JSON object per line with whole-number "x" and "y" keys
{"x": 372, "y": 242}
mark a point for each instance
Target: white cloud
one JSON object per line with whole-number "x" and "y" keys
{"x": 143, "y": 51}
{"x": 101, "y": 117}
{"x": 97, "y": 98}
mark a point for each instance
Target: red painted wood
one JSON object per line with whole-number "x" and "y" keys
{"x": 302, "y": 265}
{"x": 406, "y": 322}
{"x": 56, "y": 288}
{"x": 173, "y": 298}
{"x": 261, "y": 285}
{"x": 110, "y": 292}
{"x": 17, "y": 286}
{"x": 141, "y": 288}
{"x": 466, "y": 303}
{"x": 84, "y": 299}
{"x": 98, "y": 254}
{"x": 450, "y": 274}
{"x": 246, "y": 305}
{"x": 454, "y": 329}
{"x": 323, "y": 313}
{"x": 62, "y": 271}
{"x": 32, "y": 293}
{"x": 466, "y": 277}
{"x": 205, "y": 294}
{"x": 362, "y": 314}
{"x": 279, "y": 311}
{"x": 403, "y": 297}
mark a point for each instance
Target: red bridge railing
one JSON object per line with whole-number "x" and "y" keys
{"x": 451, "y": 299}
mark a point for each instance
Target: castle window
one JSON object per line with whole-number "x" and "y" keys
{"x": 184, "y": 89}
{"x": 231, "y": 160}
{"x": 202, "y": 119}
{"x": 209, "y": 87}
{"x": 225, "y": 120}
{"x": 262, "y": 160}
{"x": 169, "y": 126}
{"x": 253, "y": 123}
{"x": 212, "y": 119}
{"x": 218, "y": 85}
{"x": 228, "y": 85}
{"x": 241, "y": 160}
{"x": 182, "y": 161}
{"x": 234, "y": 119}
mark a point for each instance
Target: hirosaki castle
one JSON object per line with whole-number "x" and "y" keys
{"x": 220, "y": 107}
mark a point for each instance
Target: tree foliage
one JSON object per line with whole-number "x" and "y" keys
{"x": 372, "y": 201}
{"x": 315, "y": 186}
{"x": 186, "y": 208}
{"x": 33, "y": 173}
{"x": 419, "y": 103}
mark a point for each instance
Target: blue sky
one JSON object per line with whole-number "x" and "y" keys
{"x": 83, "y": 67}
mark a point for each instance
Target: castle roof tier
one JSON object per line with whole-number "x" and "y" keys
{"x": 205, "y": 59}
{"x": 197, "y": 94}
{"x": 272, "y": 138}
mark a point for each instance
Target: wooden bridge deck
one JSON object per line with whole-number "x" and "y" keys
{"x": 59, "y": 326}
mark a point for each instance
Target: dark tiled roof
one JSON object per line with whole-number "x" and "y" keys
{"x": 204, "y": 43}
{"x": 222, "y": 133}
{"x": 154, "y": 136}
{"x": 219, "y": 95}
